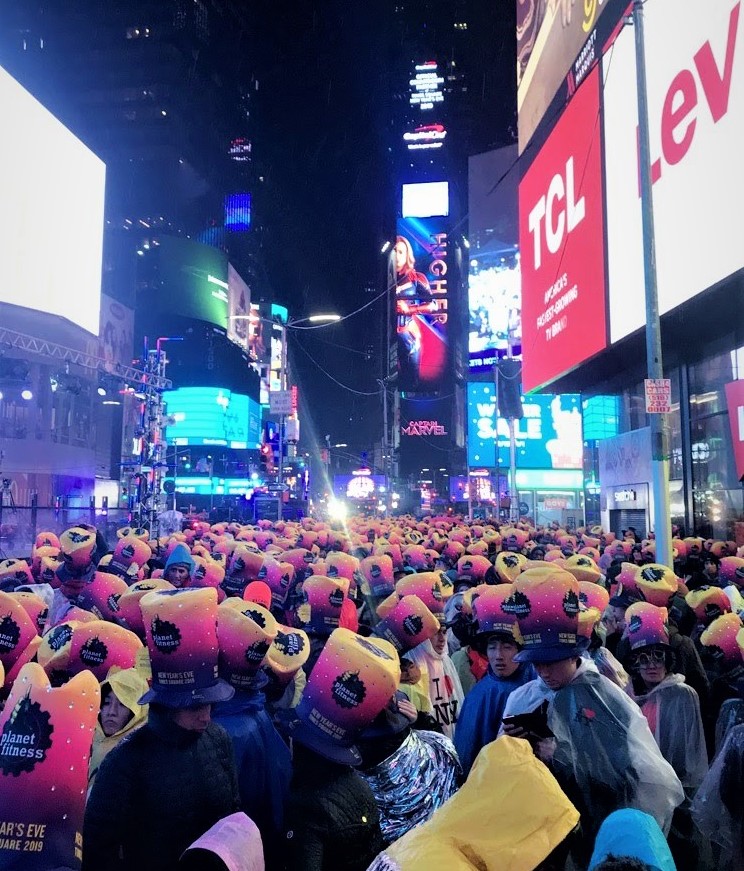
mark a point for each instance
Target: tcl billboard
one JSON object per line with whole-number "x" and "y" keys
{"x": 561, "y": 237}
{"x": 695, "y": 72}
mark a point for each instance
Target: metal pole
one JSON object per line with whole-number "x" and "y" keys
{"x": 659, "y": 436}
{"x": 282, "y": 386}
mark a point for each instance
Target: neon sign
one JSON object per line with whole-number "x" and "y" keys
{"x": 424, "y": 428}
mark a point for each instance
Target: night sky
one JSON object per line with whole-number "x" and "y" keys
{"x": 319, "y": 145}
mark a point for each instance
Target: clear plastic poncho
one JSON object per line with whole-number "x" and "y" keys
{"x": 672, "y": 710}
{"x": 605, "y": 755}
{"x": 718, "y": 806}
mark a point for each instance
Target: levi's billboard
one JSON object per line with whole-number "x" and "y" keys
{"x": 695, "y": 73}
{"x": 561, "y": 237}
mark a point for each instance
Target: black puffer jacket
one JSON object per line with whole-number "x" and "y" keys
{"x": 155, "y": 794}
{"x": 332, "y": 822}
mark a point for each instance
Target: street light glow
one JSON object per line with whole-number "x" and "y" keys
{"x": 315, "y": 319}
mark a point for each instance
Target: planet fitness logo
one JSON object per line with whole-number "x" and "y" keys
{"x": 255, "y": 654}
{"x": 517, "y": 604}
{"x": 166, "y": 636}
{"x": 289, "y": 643}
{"x": 94, "y": 652}
{"x": 26, "y": 738}
{"x": 571, "y": 604}
{"x": 348, "y": 690}
{"x": 412, "y": 625}
{"x": 336, "y": 599}
{"x": 59, "y": 636}
{"x": 10, "y": 634}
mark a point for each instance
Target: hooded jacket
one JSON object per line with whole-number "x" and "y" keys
{"x": 180, "y": 556}
{"x": 480, "y": 719}
{"x": 128, "y": 685}
{"x": 156, "y": 793}
{"x": 263, "y": 761}
{"x": 630, "y": 833}
{"x": 510, "y": 813}
{"x": 440, "y": 680}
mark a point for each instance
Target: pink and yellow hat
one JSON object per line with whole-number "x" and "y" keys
{"x": 490, "y": 615}
{"x": 377, "y": 571}
{"x": 47, "y": 735}
{"x": 323, "y": 599}
{"x": 245, "y": 632}
{"x": 708, "y": 603}
{"x": 546, "y": 605}
{"x": 657, "y": 583}
{"x": 36, "y": 608}
{"x": 288, "y": 652}
{"x": 129, "y": 609}
{"x": 408, "y": 624}
{"x": 181, "y": 627}
{"x": 591, "y": 595}
{"x": 98, "y": 645}
{"x": 427, "y": 586}
{"x": 14, "y": 573}
{"x": 583, "y": 568}
{"x": 472, "y": 569}
{"x": 77, "y": 546}
{"x": 101, "y": 596}
{"x": 53, "y": 654}
{"x": 731, "y": 571}
{"x": 244, "y": 567}
{"x": 353, "y": 680}
{"x": 509, "y": 566}
{"x": 414, "y": 556}
{"x": 719, "y": 641}
{"x": 647, "y": 624}
{"x": 17, "y": 630}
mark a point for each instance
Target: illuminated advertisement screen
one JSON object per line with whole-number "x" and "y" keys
{"x": 695, "y": 86}
{"x": 558, "y": 43}
{"x": 212, "y": 416}
{"x": 495, "y": 305}
{"x": 51, "y": 213}
{"x": 238, "y": 212}
{"x": 193, "y": 280}
{"x": 561, "y": 240}
{"x": 549, "y": 436}
{"x": 425, "y": 430}
{"x": 238, "y": 308}
{"x": 425, "y": 199}
{"x": 420, "y": 276}
{"x": 358, "y": 486}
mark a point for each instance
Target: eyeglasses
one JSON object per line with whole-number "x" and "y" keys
{"x": 653, "y": 657}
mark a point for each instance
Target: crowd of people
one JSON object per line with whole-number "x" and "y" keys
{"x": 391, "y": 695}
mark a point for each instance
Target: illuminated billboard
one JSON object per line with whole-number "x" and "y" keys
{"x": 495, "y": 305}
{"x": 695, "y": 75}
{"x": 426, "y": 87}
{"x": 238, "y": 308}
{"x": 193, "y": 281}
{"x": 212, "y": 416}
{"x": 561, "y": 240}
{"x": 549, "y": 436}
{"x": 425, "y": 199}
{"x": 558, "y": 43}
{"x": 238, "y": 212}
{"x": 358, "y": 486}
{"x": 51, "y": 213}
{"x": 425, "y": 430}
{"x": 421, "y": 276}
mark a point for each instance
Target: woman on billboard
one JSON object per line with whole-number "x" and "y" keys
{"x": 413, "y": 299}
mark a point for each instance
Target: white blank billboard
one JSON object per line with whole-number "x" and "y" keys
{"x": 51, "y": 212}
{"x": 695, "y": 70}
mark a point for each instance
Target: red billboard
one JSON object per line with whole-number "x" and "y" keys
{"x": 561, "y": 237}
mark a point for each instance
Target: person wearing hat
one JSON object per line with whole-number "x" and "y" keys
{"x": 121, "y": 713}
{"x": 245, "y": 631}
{"x": 167, "y": 782}
{"x": 632, "y": 840}
{"x": 593, "y": 736}
{"x": 332, "y": 821}
{"x": 78, "y": 550}
{"x": 673, "y": 713}
{"x": 179, "y": 567}
{"x": 498, "y": 638}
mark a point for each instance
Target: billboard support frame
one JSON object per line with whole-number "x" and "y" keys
{"x": 654, "y": 362}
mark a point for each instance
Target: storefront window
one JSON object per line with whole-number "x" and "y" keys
{"x": 717, "y": 494}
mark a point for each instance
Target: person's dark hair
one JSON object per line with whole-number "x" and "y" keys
{"x": 622, "y": 863}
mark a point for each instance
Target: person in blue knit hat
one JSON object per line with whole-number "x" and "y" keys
{"x": 179, "y": 567}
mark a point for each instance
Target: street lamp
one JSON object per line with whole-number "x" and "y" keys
{"x": 324, "y": 318}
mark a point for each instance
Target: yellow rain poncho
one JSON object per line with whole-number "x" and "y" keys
{"x": 510, "y": 813}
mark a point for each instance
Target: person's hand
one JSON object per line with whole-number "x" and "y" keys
{"x": 408, "y": 709}
{"x": 514, "y": 731}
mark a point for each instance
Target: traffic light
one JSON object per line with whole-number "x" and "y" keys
{"x": 509, "y": 393}
{"x": 267, "y": 458}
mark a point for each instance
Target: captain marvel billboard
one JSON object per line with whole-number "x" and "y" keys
{"x": 421, "y": 274}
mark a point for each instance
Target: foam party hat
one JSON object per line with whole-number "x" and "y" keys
{"x": 408, "y": 624}
{"x": 45, "y": 740}
{"x": 245, "y": 632}
{"x": 545, "y": 602}
{"x": 181, "y": 629}
{"x": 350, "y": 684}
